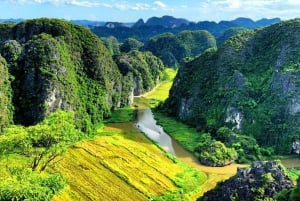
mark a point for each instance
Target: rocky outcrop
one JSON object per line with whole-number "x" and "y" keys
{"x": 259, "y": 182}
{"x": 5, "y": 96}
{"x": 296, "y": 146}
{"x": 58, "y": 65}
{"x": 143, "y": 68}
{"x": 250, "y": 84}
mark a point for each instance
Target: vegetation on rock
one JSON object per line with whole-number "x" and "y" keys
{"x": 292, "y": 194}
{"x": 259, "y": 182}
{"x": 143, "y": 69}
{"x": 173, "y": 49}
{"x": 59, "y": 65}
{"x": 250, "y": 84}
{"x": 229, "y": 33}
{"x": 6, "y": 108}
{"x": 58, "y": 81}
{"x": 131, "y": 44}
{"x": 214, "y": 153}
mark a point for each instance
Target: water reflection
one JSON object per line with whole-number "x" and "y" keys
{"x": 147, "y": 124}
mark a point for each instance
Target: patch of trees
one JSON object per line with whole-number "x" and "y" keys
{"x": 26, "y": 152}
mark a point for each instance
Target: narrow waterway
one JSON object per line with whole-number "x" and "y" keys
{"x": 291, "y": 162}
{"x": 147, "y": 124}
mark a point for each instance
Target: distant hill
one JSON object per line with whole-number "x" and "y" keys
{"x": 144, "y": 30}
{"x": 11, "y": 20}
{"x": 88, "y": 23}
{"x": 230, "y": 33}
{"x": 172, "y": 49}
{"x": 166, "y": 21}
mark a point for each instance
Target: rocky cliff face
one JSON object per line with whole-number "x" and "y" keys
{"x": 259, "y": 182}
{"x": 250, "y": 83}
{"x": 58, "y": 65}
{"x": 141, "y": 70}
{"x": 5, "y": 96}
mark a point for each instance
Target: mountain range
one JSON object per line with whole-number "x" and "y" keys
{"x": 144, "y": 30}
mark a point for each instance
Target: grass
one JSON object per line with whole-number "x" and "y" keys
{"x": 121, "y": 163}
{"x": 293, "y": 173}
{"x": 114, "y": 165}
{"x": 121, "y": 115}
{"x": 187, "y": 136}
{"x": 160, "y": 93}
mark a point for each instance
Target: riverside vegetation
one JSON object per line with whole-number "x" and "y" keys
{"x": 49, "y": 65}
{"x": 64, "y": 138}
{"x": 59, "y": 85}
{"x": 248, "y": 85}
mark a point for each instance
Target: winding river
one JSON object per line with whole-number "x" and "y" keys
{"x": 147, "y": 124}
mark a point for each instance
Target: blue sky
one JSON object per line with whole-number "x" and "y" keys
{"x": 132, "y": 10}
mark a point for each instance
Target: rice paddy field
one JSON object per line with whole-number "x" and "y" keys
{"x": 121, "y": 163}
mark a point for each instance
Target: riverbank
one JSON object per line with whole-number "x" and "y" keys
{"x": 121, "y": 163}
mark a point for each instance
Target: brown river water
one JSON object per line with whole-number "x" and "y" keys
{"x": 147, "y": 124}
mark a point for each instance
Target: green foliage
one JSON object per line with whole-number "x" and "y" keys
{"x": 252, "y": 74}
{"x": 230, "y": 33}
{"x": 267, "y": 178}
{"x": 112, "y": 44}
{"x": 6, "y": 108}
{"x": 173, "y": 49}
{"x": 28, "y": 185}
{"x": 143, "y": 68}
{"x": 293, "y": 173}
{"x": 289, "y": 194}
{"x": 43, "y": 142}
{"x": 125, "y": 114}
{"x": 187, "y": 136}
{"x": 188, "y": 182}
{"x": 295, "y": 194}
{"x": 131, "y": 44}
{"x": 215, "y": 153}
{"x": 26, "y": 149}
{"x": 196, "y": 42}
{"x": 62, "y": 66}
{"x": 282, "y": 195}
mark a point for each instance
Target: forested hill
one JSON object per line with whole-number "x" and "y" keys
{"x": 144, "y": 30}
{"x": 250, "y": 84}
{"x": 172, "y": 49}
{"x": 51, "y": 64}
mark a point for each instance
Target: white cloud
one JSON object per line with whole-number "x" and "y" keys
{"x": 83, "y": 3}
{"x": 234, "y": 4}
{"x": 160, "y": 4}
{"x": 59, "y": 2}
{"x": 293, "y": 2}
{"x": 141, "y": 6}
{"x": 255, "y": 9}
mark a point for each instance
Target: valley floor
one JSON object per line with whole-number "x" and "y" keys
{"x": 121, "y": 163}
